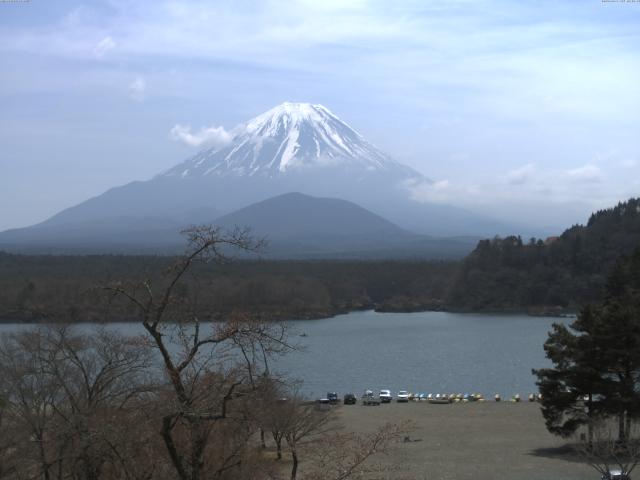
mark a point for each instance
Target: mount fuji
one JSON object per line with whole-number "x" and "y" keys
{"x": 294, "y": 147}
{"x": 289, "y": 139}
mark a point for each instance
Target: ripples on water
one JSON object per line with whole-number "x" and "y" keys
{"x": 427, "y": 352}
{"x": 431, "y": 352}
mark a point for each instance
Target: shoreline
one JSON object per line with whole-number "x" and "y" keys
{"x": 569, "y": 313}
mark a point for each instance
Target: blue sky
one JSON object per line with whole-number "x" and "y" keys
{"x": 523, "y": 110}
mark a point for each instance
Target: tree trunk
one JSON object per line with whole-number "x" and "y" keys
{"x": 294, "y": 466}
{"x": 279, "y": 448}
{"x": 198, "y": 444}
{"x": 621, "y": 429}
{"x": 43, "y": 457}
{"x": 262, "y": 442}
{"x": 176, "y": 459}
{"x": 590, "y": 423}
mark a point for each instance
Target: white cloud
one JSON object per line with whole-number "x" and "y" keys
{"x": 206, "y": 136}
{"x": 431, "y": 192}
{"x": 585, "y": 174}
{"x": 138, "y": 89}
{"x": 521, "y": 175}
{"x": 103, "y": 46}
{"x": 629, "y": 163}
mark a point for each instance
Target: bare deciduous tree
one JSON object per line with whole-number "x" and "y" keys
{"x": 604, "y": 451}
{"x": 30, "y": 396}
{"x": 69, "y": 396}
{"x": 304, "y": 421}
{"x": 343, "y": 456}
{"x": 7, "y": 441}
{"x": 204, "y": 379}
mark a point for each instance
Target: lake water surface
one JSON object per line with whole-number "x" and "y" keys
{"x": 427, "y": 352}
{"x": 431, "y": 352}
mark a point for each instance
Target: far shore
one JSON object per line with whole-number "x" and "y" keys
{"x": 569, "y": 313}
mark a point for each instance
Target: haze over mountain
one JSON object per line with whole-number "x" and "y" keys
{"x": 298, "y": 225}
{"x": 294, "y": 147}
{"x": 293, "y": 215}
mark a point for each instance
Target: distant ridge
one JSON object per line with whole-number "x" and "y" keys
{"x": 295, "y": 226}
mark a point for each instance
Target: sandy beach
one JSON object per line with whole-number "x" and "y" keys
{"x": 480, "y": 441}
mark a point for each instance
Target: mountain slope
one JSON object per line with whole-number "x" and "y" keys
{"x": 295, "y": 225}
{"x": 301, "y": 226}
{"x": 289, "y": 138}
{"x": 295, "y": 147}
{"x": 295, "y": 215}
{"x": 292, "y": 147}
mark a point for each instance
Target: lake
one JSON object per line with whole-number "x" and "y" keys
{"x": 427, "y": 352}
{"x": 431, "y": 352}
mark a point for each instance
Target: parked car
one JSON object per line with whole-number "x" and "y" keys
{"x": 333, "y": 398}
{"x": 322, "y": 404}
{"x": 349, "y": 399}
{"x": 385, "y": 396}
{"x": 615, "y": 475}
{"x": 369, "y": 399}
{"x": 403, "y": 396}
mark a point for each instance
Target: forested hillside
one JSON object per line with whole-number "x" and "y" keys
{"x": 67, "y": 288}
{"x": 543, "y": 276}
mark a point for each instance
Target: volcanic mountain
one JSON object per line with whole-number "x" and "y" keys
{"x": 290, "y": 139}
{"x": 294, "y": 147}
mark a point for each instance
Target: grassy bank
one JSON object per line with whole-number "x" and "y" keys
{"x": 479, "y": 441}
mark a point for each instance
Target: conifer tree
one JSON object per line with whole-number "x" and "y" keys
{"x": 596, "y": 360}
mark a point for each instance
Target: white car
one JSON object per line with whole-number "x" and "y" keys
{"x": 615, "y": 475}
{"x": 385, "y": 396}
{"x": 403, "y": 396}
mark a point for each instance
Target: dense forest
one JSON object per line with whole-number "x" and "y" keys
{"x": 69, "y": 287}
{"x": 559, "y": 273}
{"x": 502, "y": 274}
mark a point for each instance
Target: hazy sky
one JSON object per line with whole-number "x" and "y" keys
{"x": 529, "y": 110}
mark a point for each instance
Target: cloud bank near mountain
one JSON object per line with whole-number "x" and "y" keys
{"x": 206, "y": 136}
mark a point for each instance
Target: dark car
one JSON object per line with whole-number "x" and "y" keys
{"x": 333, "y": 398}
{"x": 349, "y": 399}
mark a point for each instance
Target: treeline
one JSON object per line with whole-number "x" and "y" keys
{"x": 559, "y": 273}
{"x": 34, "y": 288}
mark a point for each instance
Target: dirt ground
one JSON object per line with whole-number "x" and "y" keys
{"x": 476, "y": 441}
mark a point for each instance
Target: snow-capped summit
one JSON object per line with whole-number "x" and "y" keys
{"x": 287, "y": 139}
